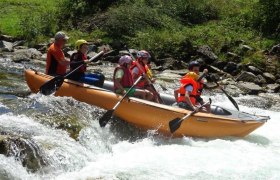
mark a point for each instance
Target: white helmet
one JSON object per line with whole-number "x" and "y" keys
{"x": 125, "y": 60}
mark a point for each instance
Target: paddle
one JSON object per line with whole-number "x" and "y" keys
{"x": 54, "y": 84}
{"x": 107, "y": 116}
{"x": 176, "y": 123}
{"x": 228, "y": 96}
{"x": 149, "y": 80}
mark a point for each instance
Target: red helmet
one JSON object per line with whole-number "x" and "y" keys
{"x": 143, "y": 54}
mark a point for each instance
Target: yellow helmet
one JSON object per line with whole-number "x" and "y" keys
{"x": 192, "y": 75}
{"x": 79, "y": 43}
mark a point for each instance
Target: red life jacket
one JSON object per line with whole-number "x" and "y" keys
{"x": 185, "y": 81}
{"x": 76, "y": 60}
{"x": 126, "y": 80}
{"x": 200, "y": 86}
{"x": 141, "y": 69}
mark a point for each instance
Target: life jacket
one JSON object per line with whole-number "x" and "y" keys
{"x": 76, "y": 60}
{"x": 126, "y": 81}
{"x": 200, "y": 86}
{"x": 185, "y": 81}
{"x": 141, "y": 69}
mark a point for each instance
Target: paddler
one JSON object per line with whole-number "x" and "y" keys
{"x": 80, "y": 57}
{"x": 123, "y": 80}
{"x": 56, "y": 63}
{"x": 140, "y": 67}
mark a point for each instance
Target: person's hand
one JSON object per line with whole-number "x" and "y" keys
{"x": 124, "y": 92}
{"x": 195, "y": 108}
{"x": 153, "y": 80}
{"x": 86, "y": 61}
{"x": 205, "y": 71}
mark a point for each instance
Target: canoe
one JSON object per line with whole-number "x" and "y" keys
{"x": 149, "y": 115}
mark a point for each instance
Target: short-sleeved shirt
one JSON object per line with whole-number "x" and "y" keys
{"x": 54, "y": 55}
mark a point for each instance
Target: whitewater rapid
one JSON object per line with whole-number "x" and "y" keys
{"x": 101, "y": 154}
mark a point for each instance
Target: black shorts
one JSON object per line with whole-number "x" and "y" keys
{"x": 185, "y": 106}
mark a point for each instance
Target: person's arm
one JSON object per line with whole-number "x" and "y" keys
{"x": 189, "y": 89}
{"x": 119, "y": 86}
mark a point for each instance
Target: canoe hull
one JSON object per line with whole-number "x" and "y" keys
{"x": 149, "y": 115}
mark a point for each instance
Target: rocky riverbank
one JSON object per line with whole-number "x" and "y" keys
{"x": 239, "y": 79}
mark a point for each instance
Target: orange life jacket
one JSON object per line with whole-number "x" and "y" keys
{"x": 185, "y": 81}
{"x": 141, "y": 69}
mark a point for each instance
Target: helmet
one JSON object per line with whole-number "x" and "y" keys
{"x": 125, "y": 60}
{"x": 192, "y": 75}
{"x": 79, "y": 43}
{"x": 143, "y": 54}
{"x": 193, "y": 64}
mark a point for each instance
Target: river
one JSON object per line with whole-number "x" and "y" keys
{"x": 120, "y": 151}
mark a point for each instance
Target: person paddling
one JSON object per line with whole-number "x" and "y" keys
{"x": 194, "y": 66}
{"x": 56, "y": 63}
{"x": 80, "y": 57}
{"x": 123, "y": 80}
{"x": 186, "y": 94}
{"x": 139, "y": 67}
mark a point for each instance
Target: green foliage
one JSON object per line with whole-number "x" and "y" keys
{"x": 266, "y": 17}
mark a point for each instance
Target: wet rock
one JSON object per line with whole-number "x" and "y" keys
{"x": 104, "y": 48}
{"x": 20, "y": 47}
{"x": 167, "y": 75}
{"x": 24, "y": 150}
{"x": 26, "y": 55}
{"x": 254, "y": 70}
{"x": 273, "y": 88}
{"x": 231, "y": 68}
{"x": 233, "y": 90}
{"x": 247, "y": 77}
{"x": 278, "y": 81}
{"x": 269, "y": 77}
{"x": 125, "y": 52}
{"x": 219, "y": 64}
{"x": 208, "y": 55}
{"x": 44, "y": 57}
{"x": 171, "y": 63}
{"x": 260, "y": 80}
{"x": 70, "y": 53}
{"x": 233, "y": 56}
{"x": 18, "y": 43}
{"x": 214, "y": 77}
{"x": 6, "y": 46}
{"x": 250, "y": 88}
{"x": 228, "y": 81}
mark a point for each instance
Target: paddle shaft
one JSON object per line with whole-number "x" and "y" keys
{"x": 135, "y": 83}
{"x": 228, "y": 96}
{"x": 91, "y": 59}
{"x": 148, "y": 79}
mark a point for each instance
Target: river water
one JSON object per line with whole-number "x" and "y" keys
{"x": 122, "y": 152}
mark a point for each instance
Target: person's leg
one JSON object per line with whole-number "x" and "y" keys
{"x": 94, "y": 79}
{"x": 155, "y": 97}
{"x": 184, "y": 105}
{"x": 201, "y": 102}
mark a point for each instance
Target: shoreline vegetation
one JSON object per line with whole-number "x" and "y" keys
{"x": 237, "y": 31}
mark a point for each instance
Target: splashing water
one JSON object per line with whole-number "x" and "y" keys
{"x": 111, "y": 153}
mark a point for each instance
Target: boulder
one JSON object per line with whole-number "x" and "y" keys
{"x": 6, "y": 46}
{"x": 112, "y": 59}
{"x": 70, "y": 53}
{"x": 44, "y": 57}
{"x": 219, "y": 64}
{"x": 7, "y": 38}
{"x": 269, "y": 77}
{"x": 171, "y": 63}
{"x": 275, "y": 50}
{"x": 26, "y": 55}
{"x": 43, "y": 47}
{"x": 250, "y": 88}
{"x": 278, "y": 81}
{"x": 231, "y": 68}
{"x": 246, "y": 48}
{"x": 228, "y": 81}
{"x": 125, "y": 52}
{"x": 254, "y": 70}
{"x": 18, "y": 43}
{"x": 168, "y": 76}
{"x": 214, "y": 77}
{"x": 273, "y": 88}
{"x": 104, "y": 48}
{"x": 233, "y": 90}
{"x": 208, "y": 55}
{"x": 247, "y": 77}
{"x": 260, "y": 80}
{"x": 24, "y": 150}
{"x": 233, "y": 56}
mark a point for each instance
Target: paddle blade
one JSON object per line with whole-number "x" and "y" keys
{"x": 106, "y": 118}
{"x": 174, "y": 124}
{"x": 233, "y": 102}
{"x": 52, "y": 85}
